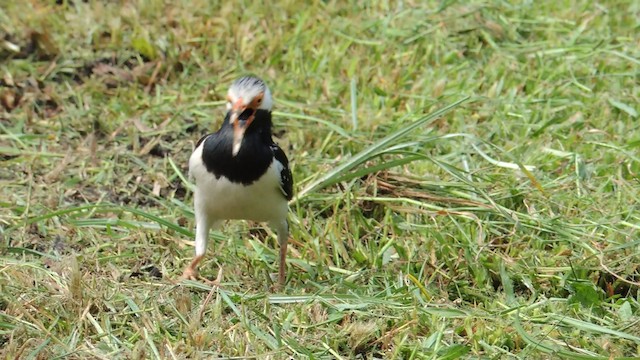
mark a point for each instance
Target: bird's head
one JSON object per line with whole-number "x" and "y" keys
{"x": 246, "y": 96}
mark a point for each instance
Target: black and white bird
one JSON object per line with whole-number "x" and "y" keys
{"x": 240, "y": 173}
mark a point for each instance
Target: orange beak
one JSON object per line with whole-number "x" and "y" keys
{"x": 241, "y": 117}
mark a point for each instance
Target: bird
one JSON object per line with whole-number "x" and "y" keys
{"x": 240, "y": 173}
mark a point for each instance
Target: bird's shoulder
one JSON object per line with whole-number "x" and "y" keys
{"x": 202, "y": 139}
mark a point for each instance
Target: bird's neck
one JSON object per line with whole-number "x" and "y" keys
{"x": 254, "y": 156}
{"x": 260, "y": 128}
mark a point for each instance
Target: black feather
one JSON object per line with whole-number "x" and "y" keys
{"x": 256, "y": 153}
{"x": 286, "y": 178}
{"x": 201, "y": 140}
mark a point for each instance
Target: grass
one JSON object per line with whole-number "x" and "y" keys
{"x": 466, "y": 178}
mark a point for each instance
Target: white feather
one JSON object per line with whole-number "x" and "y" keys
{"x": 221, "y": 199}
{"x": 240, "y": 90}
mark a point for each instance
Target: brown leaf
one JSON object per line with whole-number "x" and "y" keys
{"x": 140, "y": 126}
{"x": 45, "y": 46}
{"x": 10, "y": 99}
{"x": 149, "y": 146}
{"x": 53, "y": 175}
{"x": 157, "y": 186}
{"x": 109, "y": 70}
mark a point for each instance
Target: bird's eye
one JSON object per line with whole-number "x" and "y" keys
{"x": 259, "y": 101}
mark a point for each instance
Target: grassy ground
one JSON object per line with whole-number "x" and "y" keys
{"x": 506, "y": 228}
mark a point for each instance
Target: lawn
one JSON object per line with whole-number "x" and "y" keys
{"x": 466, "y": 179}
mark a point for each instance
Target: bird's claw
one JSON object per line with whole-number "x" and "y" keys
{"x": 192, "y": 274}
{"x": 277, "y": 281}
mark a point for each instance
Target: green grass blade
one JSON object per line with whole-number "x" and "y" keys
{"x": 354, "y": 104}
{"x": 362, "y": 156}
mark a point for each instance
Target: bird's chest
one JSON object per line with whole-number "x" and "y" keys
{"x": 222, "y": 198}
{"x": 247, "y": 166}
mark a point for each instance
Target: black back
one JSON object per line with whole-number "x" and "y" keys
{"x": 254, "y": 157}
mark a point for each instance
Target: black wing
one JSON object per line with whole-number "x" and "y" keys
{"x": 286, "y": 179}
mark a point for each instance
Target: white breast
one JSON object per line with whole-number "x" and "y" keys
{"x": 223, "y": 200}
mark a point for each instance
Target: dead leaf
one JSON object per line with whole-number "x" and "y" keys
{"x": 54, "y": 174}
{"x": 10, "y": 99}
{"x": 149, "y": 146}
{"x": 44, "y": 45}
{"x": 140, "y": 126}
{"x": 9, "y": 46}
{"x": 107, "y": 70}
{"x": 152, "y": 79}
{"x": 156, "y": 188}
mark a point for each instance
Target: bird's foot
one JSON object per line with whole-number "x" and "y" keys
{"x": 277, "y": 281}
{"x": 215, "y": 282}
{"x": 192, "y": 274}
